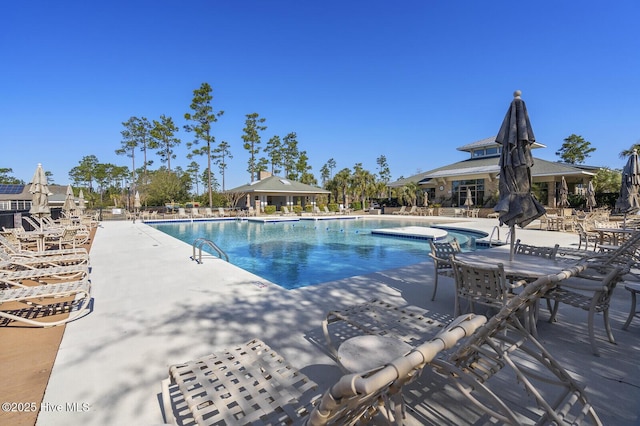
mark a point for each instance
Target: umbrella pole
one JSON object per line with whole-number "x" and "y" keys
{"x": 513, "y": 237}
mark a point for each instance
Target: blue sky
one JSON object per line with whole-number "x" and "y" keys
{"x": 411, "y": 80}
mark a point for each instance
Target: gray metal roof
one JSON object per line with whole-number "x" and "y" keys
{"x": 490, "y": 165}
{"x": 279, "y": 185}
{"x": 489, "y": 142}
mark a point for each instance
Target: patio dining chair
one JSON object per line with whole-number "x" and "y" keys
{"x": 591, "y": 291}
{"x": 481, "y": 284}
{"x": 440, "y": 254}
{"x": 252, "y": 384}
{"x": 531, "y": 250}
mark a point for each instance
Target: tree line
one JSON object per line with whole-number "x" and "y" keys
{"x": 141, "y": 138}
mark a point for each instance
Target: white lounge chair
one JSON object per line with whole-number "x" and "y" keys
{"x": 286, "y": 212}
{"x": 182, "y": 214}
{"x": 195, "y": 212}
{"x": 402, "y": 210}
{"x": 36, "y": 305}
{"x": 252, "y": 384}
{"x": 222, "y": 212}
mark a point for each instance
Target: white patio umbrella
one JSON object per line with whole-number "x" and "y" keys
{"x": 40, "y": 194}
{"x": 136, "y": 201}
{"x": 469, "y": 201}
{"x": 81, "y": 202}
{"x": 591, "y": 196}
{"x": 69, "y": 202}
{"x": 517, "y": 205}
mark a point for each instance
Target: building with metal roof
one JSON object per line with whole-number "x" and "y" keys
{"x": 277, "y": 191}
{"x": 480, "y": 173}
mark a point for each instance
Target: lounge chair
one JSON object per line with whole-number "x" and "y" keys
{"x": 195, "y": 212}
{"x": 34, "y": 225}
{"x": 252, "y": 384}
{"x": 22, "y": 261}
{"x": 208, "y": 212}
{"x": 286, "y": 212}
{"x": 10, "y": 277}
{"x": 251, "y": 211}
{"x": 441, "y": 254}
{"x": 402, "y": 210}
{"x": 222, "y": 212}
{"x": 327, "y": 211}
{"x": 70, "y": 237}
{"x": 182, "y": 214}
{"x": 44, "y": 301}
{"x": 485, "y": 368}
{"x": 412, "y": 211}
{"x": 12, "y": 248}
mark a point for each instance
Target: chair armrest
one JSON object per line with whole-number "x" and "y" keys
{"x": 583, "y": 283}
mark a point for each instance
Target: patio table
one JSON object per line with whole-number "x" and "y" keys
{"x": 614, "y": 233}
{"x": 522, "y": 265}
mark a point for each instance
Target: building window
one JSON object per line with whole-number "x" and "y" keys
{"x": 486, "y": 152}
{"x": 459, "y": 191}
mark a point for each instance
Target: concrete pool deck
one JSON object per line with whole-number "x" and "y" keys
{"x": 154, "y": 307}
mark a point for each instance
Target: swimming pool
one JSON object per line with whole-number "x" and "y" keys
{"x": 298, "y": 254}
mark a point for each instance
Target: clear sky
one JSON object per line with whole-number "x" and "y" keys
{"x": 411, "y": 80}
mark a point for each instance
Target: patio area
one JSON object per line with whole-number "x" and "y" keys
{"x": 154, "y": 307}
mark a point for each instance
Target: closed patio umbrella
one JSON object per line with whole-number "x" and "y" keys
{"x": 40, "y": 194}
{"x": 69, "y": 202}
{"x": 469, "y": 201}
{"x": 629, "y": 201}
{"x": 564, "y": 193}
{"x": 516, "y": 204}
{"x": 81, "y": 202}
{"x": 591, "y": 196}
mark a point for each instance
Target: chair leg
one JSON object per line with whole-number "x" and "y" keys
{"x": 553, "y": 310}
{"x": 592, "y": 337}
{"x": 632, "y": 311}
{"x": 607, "y": 326}
{"x": 435, "y": 285}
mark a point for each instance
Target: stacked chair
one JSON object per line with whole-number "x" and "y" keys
{"x": 43, "y": 288}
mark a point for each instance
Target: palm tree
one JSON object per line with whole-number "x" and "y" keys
{"x": 409, "y": 193}
{"x": 342, "y": 183}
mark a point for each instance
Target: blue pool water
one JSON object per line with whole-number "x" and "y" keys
{"x": 297, "y": 254}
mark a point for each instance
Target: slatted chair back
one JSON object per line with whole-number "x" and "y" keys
{"x": 486, "y": 285}
{"x": 440, "y": 254}
{"x": 531, "y": 250}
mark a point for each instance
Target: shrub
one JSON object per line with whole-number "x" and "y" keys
{"x": 333, "y": 207}
{"x": 308, "y": 208}
{"x": 297, "y": 209}
{"x": 356, "y": 205}
{"x": 269, "y": 209}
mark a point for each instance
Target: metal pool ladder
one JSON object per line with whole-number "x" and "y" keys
{"x": 200, "y": 242}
